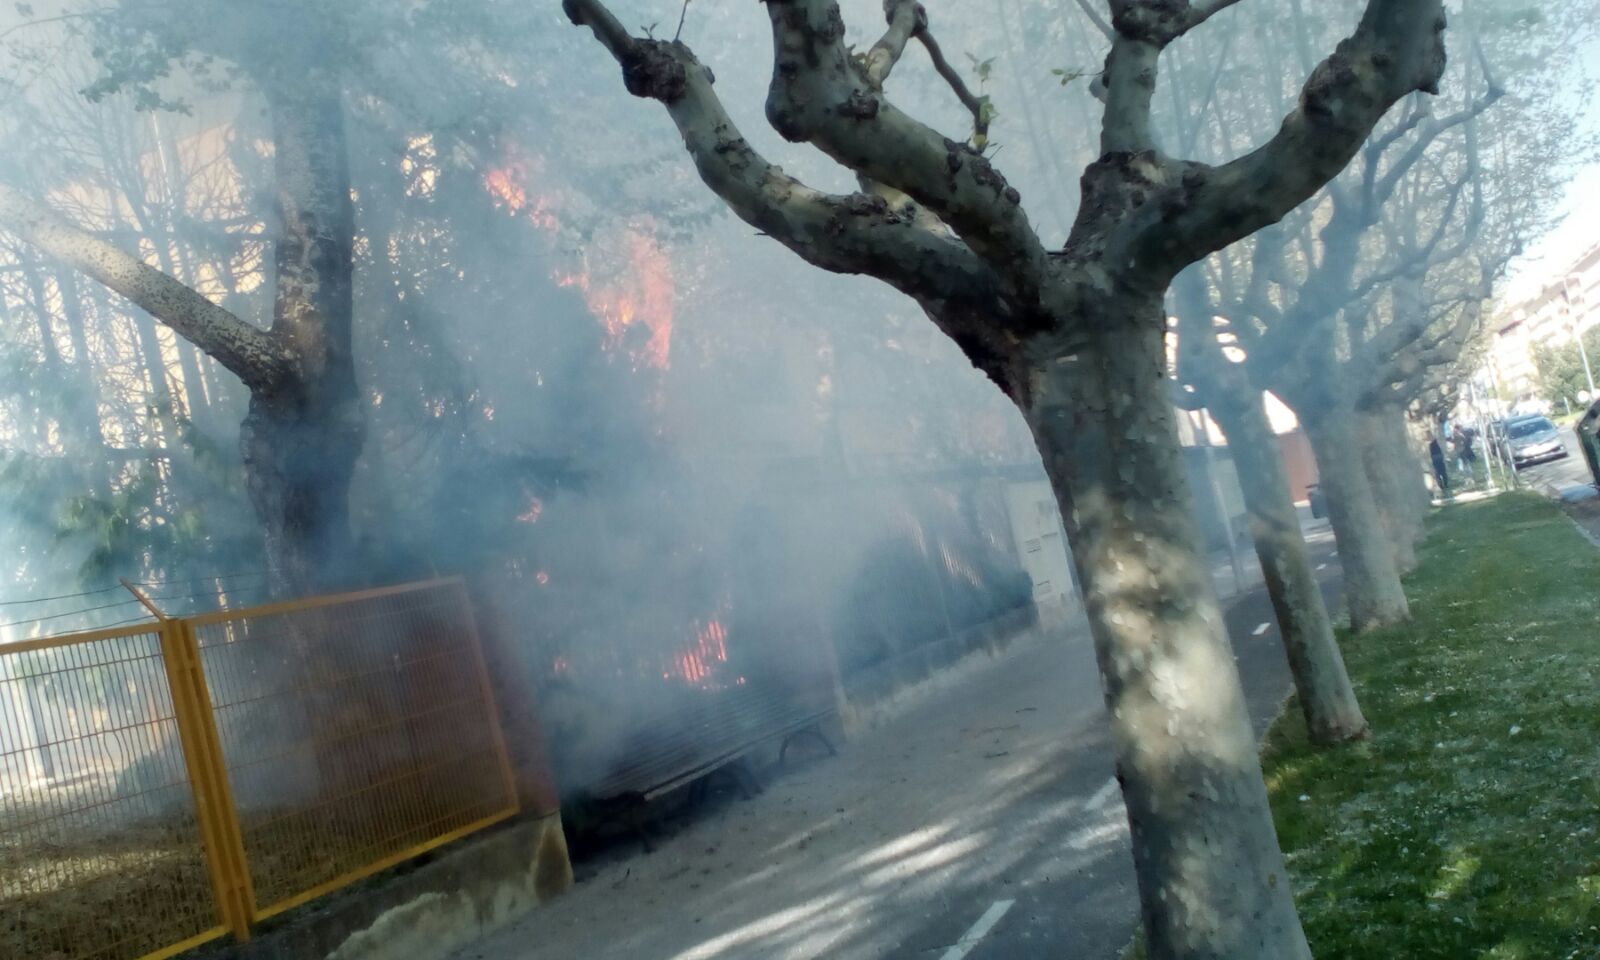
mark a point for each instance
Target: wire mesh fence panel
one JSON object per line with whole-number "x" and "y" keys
{"x": 356, "y": 732}
{"x": 101, "y": 851}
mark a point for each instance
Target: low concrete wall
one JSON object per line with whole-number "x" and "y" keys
{"x": 879, "y": 692}
{"x": 425, "y": 910}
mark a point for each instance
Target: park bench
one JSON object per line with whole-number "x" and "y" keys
{"x": 715, "y": 743}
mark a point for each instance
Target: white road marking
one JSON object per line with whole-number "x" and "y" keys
{"x": 979, "y": 930}
{"x": 1261, "y": 631}
{"x": 1103, "y": 795}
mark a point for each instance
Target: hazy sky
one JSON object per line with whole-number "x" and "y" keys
{"x": 1580, "y": 227}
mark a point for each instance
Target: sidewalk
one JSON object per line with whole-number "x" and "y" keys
{"x": 991, "y": 799}
{"x": 857, "y": 856}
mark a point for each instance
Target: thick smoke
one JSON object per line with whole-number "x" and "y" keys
{"x": 680, "y": 470}
{"x": 677, "y": 461}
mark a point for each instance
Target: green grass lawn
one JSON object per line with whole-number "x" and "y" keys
{"x": 1469, "y": 826}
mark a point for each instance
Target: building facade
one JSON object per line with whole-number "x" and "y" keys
{"x": 1562, "y": 310}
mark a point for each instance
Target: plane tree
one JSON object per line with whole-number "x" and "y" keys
{"x": 1271, "y": 323}
{"x": 1280, "y": 299}
{"x": 1075, "y": 336}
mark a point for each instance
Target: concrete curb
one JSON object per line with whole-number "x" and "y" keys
{"x": 424, "y": 912}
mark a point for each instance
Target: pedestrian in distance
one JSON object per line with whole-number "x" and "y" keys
{"x": 1466, "y": 456}
{"x": 1441, "y": 476}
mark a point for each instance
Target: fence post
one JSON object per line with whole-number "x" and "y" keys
{"x": 208, "y": 778}
{"x": 508, "y": 676}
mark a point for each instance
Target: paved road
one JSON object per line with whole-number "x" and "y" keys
{"x": 1562, "y": 479}
{"x": 986, "y": 809}
{"x": 1089, "y": 911}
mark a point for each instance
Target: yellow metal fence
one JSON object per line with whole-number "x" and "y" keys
{"x": 164, "y": 785}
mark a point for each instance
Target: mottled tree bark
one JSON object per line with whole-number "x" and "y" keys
{"x": 1372, "y": 587}
{"x": 301, "y": 442}
{"x": 1211, "y": 878}
{"x": 1386, "y": 469}
{"x": 1407, "y": 458}
{"x": 1322, "y": 684}
{"x": 1327, "y": 699}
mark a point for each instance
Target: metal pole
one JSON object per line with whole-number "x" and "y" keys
{"x": 140, "y": 596}
{"x": 1486, "y": 434}
{"x": 215, "y": 810}
{"x": 1584, "y": 353}
{"x": 1507, "y": 470}
{"x": 1572, "y": 320}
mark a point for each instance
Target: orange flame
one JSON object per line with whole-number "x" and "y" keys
{"x": 506, "y": 190}
{"x": 505, "y": 184}
{"x": 637, "y": 307}
{"x": 694, "y": 665}
{"x": 643, "y": 297}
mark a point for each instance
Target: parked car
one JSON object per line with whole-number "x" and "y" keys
{"x": 1533, "y": 439}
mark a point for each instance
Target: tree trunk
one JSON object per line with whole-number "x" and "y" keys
{"x": 94, "y": 431}
{"x": 298, "y": 463}
{"x": 301, "y": 440}
{"x": 1371, "y": 580}
{"x": 41, "y": 317}
{"x": 1386, "y": 468}
{"x": 1211, "y": 877}
{"x": 155, "y": 365}
{"x": 1321, "y": 681}
{"x": 1408, "y": 457}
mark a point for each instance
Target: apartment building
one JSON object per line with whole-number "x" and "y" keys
{"x": 1566, "y": 307}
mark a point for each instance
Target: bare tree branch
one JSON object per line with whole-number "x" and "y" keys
{"x": 1201, "y": 12}
{"x": 1130, "y": 86}
{"x": 1330, "y": 285}
{"x": 1377, "y": 190}
{"x": 820, "y": 96}
{"x": 858, "y": 234}
{"x": 1415, "y": 369}
{"x": 906, "y": 20}
{"x": 249, "y": 352}
{"x": 683, "y": 18}
{"x": 1397, "y": 48}
{"x": 1417, "y": 112}
{"x": 974, "y": 104}
{"x": 1160, "y": 22}
{"x": 1097, "y": 18}
{"x": 1405, "y": 346}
